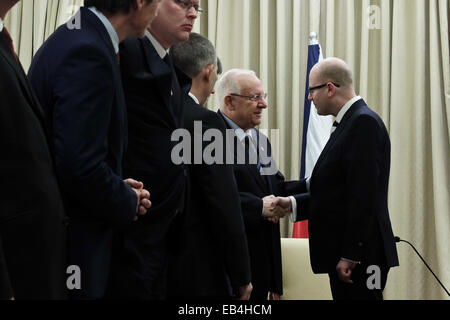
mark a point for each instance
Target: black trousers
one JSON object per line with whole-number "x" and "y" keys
{"x": 359, "y": 289}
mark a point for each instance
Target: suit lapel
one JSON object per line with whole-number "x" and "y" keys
{"x": 162, "y": 73}
{"x": 335, "y": 135}
{"x": 23, "y": 80}
{"x": 252, "y": 169}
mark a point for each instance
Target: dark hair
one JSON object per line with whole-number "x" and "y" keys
{"x": 219, "y": 66}
{"x": 112, "y": 6}
{"x": 193, "y": 55}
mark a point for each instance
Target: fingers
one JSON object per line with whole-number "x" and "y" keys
{"x": 134, "y": 184}
{"x": 344, "y": 271}
{"x": 143, "y": 196}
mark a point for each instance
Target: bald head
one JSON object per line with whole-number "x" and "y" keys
{"x": 331, "y": 86}
{"x": 334, "y": 70}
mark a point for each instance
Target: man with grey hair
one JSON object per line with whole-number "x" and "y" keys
{"x": 349, "y": 226}
{"x": 243, "y": 100}
{"x": 213, "y": 261}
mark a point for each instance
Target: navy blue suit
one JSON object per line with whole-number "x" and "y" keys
{"x": 153, "y": 115}
{"x": 348, "y": 205}
{"x": 263, "y": 237}
{"x": 76, "y": 77}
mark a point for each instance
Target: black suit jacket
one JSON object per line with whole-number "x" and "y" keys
{"x": 147, "y": 81}
{"x": 32, "y": 227}
{"x": 348, "y": 208}
{"x": 214, "y": 256}
{"x": 77, "y": 79}
{"x": 263, "y": 237}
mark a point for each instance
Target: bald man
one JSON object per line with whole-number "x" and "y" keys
{"x": 350, "y": 232}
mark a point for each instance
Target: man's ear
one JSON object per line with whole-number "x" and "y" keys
{"x": 207, "y": 71}
{"x": 229, "y": 103}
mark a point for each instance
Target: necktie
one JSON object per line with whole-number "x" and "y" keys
{"x": 8, "y": 39}
{"x": 118, "y": 57}
{"x": 251, "y": 149}
{"x": 335, "y": 125}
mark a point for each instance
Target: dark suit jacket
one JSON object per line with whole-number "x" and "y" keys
{"x": 348, "y": 209}
{"x": 214, "y": 258}
{"x": 32, "y": 227}
{"x": 77, "y": 79}
{"x": 147, "y": 81}
{"x": 263, "y": 237}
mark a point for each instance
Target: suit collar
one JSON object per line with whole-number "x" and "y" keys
{"x": 109, "y": 28}
{"x": 90, "y": 17}
{"x": 194, "y": 98}
{"x": 158, "y": 47}
{"x": 346, "y": 107}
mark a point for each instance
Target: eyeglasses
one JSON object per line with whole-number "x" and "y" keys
{"x": 256, "y": 97}
{"x": 322, "y": 86}
{"x": 187, "y": 5}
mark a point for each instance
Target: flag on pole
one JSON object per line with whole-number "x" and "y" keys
{"x": 316, "y": 130}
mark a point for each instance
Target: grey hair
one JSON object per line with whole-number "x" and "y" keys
{"x": 229, "y": 83}
{"x": 194, "y": 55}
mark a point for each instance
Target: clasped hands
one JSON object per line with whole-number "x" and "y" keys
{"x": 143, "y": 197}
{"x": 276, "y": 208}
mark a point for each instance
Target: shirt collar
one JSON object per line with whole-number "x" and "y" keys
{"x": 109, "y": 27}
{"x": 194, "y": 98}
{"x": 345, "y": 108}
{"x": 1, "y": 25}
{"x": 237, "y": 130}
{"x": 158, "y": 47}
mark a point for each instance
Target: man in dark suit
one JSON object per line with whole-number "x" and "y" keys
{"x": 32, "y": 220}
{"x": 213, "y": 262}
{"x": 349, "y": 226}
{"x": 242, "y": 102}
{"x": 154, "y": 93}
{"x": 76, "y": 76}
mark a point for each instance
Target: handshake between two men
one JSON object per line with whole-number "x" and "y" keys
{"x": 276, "y": 208}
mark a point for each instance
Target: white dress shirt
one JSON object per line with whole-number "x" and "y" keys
{"x": 194, "y": 98}
{"x": 158, "y": 47}
{"x": 1, "y": 25}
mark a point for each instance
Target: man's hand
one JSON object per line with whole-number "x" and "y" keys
{"x": 283, "y": 202}
{"x": 244, "y": 292}
{"x": 143, "y": 197}
{"x": 344, "y": 270}
{"x": 272, "y": 211}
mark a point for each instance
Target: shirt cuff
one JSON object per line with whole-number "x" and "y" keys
{"x": 293, "y": 214}
{"x": 348, "y": 260}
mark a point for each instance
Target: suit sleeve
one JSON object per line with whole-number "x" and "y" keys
{"x": 361, "y": 162}
{"x": 6, "y": 291}
{"x": 227, "y": 222}
{"x": 85, "y": 89}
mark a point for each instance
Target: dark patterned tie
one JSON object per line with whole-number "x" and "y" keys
{"x": 9, "y": 40}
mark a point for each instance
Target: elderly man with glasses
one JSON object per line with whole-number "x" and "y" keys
{"x": 242, "y": 101}
{"x": 154, "y": 92}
